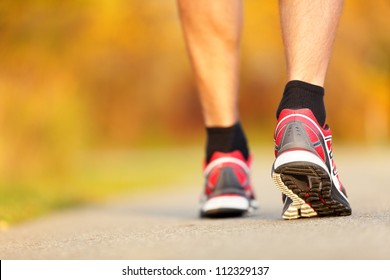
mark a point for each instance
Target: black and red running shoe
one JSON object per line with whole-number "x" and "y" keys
{"x": 228, "y": 192}
{"x": 304, "y": 169}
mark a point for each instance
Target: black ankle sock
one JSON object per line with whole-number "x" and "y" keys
{"x": 226, "y": 140}
{"x": 298, "y": 95}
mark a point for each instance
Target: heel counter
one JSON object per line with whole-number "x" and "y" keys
{"x": 228, "y": 183}
{"x": 295, "y": 137}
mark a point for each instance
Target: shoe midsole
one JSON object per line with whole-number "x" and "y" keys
{"x": 298, "y": 156}
{"x": 226, "y": 202}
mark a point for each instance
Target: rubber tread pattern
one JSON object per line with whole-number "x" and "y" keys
{"x": 319, "y": 197}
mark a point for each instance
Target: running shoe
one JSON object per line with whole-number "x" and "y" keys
{"x": 304, "y": 169}
{"x": 228, "y": 192}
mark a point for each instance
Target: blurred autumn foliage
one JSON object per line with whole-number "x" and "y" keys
{"x": 94, "y": 74}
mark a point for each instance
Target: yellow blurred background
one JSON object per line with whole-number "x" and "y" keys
{"x": 79, "y": 78}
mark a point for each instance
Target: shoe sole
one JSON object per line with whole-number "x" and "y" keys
{"x": 320, "y": 199}
{"x": 226, "y": 206}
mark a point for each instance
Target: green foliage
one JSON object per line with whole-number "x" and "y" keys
{"x": 95, "y": 176}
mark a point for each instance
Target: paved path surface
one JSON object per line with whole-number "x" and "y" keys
{"x": 165, "y": 225}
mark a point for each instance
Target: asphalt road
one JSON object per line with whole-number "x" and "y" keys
{"x": 165, "y": 224}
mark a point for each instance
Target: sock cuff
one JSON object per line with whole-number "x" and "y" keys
{"x": 303, "y": 86}
{"x": 299, "y": 94}
{"x": 226, "y": 139}
{"x": 222, "y": 129}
